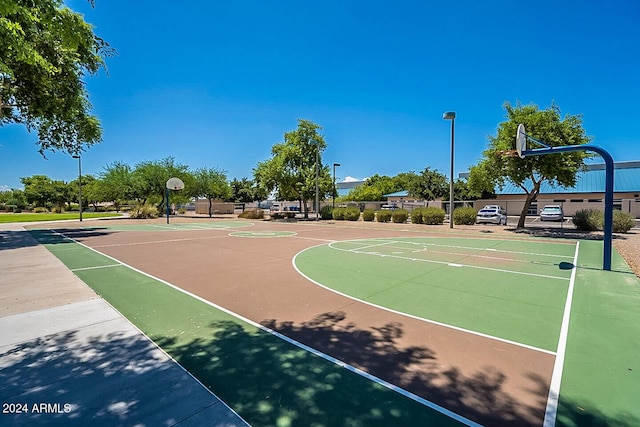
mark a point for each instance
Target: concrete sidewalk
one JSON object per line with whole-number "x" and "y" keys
{"x": 68, "y": 358}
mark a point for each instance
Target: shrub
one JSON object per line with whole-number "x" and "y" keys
{"x": 338, "y": 213}
{"x": 416, "y": 215}
{"x": 399, "y": 216}
{"x": 352, "y": 214}
{"x": 40, "y": 209}
{"x": 368, "y": 215}
{"x": 326, "y": 212}
{"x": 144, "y": 211}
{"x": 57, "y": 209}
{"x": 383, "y": 216}
{"x": 464, "y": 216}
{"x": 252, "y": 214}
{"x": 182, "y": 211}
{"x": 588, "y": 219}
{"x": 433, "y": 216}
{"x": 622, "y": 221}
{"x": 277, "y": 215}
{"x": 17, "y": 210}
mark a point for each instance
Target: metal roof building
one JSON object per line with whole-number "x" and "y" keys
{"x": 626, "y": 180}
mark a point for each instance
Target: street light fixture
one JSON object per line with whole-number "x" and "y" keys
{"x": 79, "y": 183}
{"x": 317, "y": 207}
{"x": 334, "y": 184}
{"x": 451, "y": 115}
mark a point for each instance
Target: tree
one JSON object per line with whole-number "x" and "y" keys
{"x": 529, "y": 173}
{"x": 38, "y": 189}
{"x": 375, "y": 188}
{"x": 211, "y": 184}
{"x": 291, "y": 171}
{"x": 246, "y": 190}
{"x": 429, "y": 185}
{"x": 151, "y": 178}
{"x": 117, "y": 184}
{"x": 46, "y": 49}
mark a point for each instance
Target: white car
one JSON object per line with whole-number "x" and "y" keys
{"x": 492, "y": 214}
{"x": 552, "y": 213}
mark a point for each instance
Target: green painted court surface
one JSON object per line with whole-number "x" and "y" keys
{"x": 511, "y": 289}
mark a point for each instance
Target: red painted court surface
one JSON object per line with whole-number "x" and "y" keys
{"x": 465, "y": 360}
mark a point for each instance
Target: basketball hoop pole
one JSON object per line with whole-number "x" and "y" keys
{"x": 608, "y": 194}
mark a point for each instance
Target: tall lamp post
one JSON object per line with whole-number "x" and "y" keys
{"x": 451, "y": 115}
{"x": 317, "y": 144}
{"x": 79, "y": 183}
{"x": 334, "y": 184}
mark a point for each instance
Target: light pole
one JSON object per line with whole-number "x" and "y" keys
{"x": 317, "y": 144}
{"x": 451, "y": 115}
{"x": 334, "y": 184}
{"x": 79, "y": 183}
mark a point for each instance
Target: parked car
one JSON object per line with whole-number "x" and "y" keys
{"x": 389, "y": 207}
{"x": 552, "y": 213}
{"x": 492, "y": 214}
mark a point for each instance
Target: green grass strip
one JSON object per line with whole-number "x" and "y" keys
{"x": 35, "y": 217}
{"x": 268, "y": 381}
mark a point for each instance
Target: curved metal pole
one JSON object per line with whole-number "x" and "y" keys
{"x": 608, "y": 193}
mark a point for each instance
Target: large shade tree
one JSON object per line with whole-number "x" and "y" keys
{"x": 291, "y": 171}
{"x": 152, "y": 177}
{"x": 46, "y": 50}
{"x": 211, "y": 183}
{"x": 548, "y": 126}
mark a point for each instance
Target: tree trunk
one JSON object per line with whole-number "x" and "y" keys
{"x": 530, "y": 198}
{"x": 210, "y": 207}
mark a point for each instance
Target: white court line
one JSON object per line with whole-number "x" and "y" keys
{"x": 500, "y": 270}
{"x": 445, "y": 325}
{"x": 298, "y": 344}
{"x": 96, "y": 267}
{"x": 556, "y": 378}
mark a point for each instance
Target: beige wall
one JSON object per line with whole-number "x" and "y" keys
{"x": 571, "y": 203}
{"x": 202, "y": 207}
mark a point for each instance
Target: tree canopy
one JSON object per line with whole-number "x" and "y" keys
{"x": 529, "y": 173}
{"x": 211, "y": 184}
{"x": 291, "y": 171}
{"x": 46, "y": 49}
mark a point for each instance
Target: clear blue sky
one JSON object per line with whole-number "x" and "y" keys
{"x": 217, "y": 83}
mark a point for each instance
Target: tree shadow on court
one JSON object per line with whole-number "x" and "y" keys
{"x": 106, "y": 380}
{"x": 269, "y": 381}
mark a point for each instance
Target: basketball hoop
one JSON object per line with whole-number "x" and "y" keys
{"x": 175, "y": 184}
{"x": 521, "y": 140}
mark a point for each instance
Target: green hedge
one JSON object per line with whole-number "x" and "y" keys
{"x": 368, "y": 215}
{"x": 464, "y": 216}
{"x": 399, "y": 216}
{"x": 623, "y": 222}
{"x": 416, "y": 216}
{"x": 326, "y": 212}
{"x": 588, "y": 219}
{"x": 352, "y": 214}
{"x": 593, "y": 220}
{"x": 433, "y": 216}
{"x": 252, "y": 214}
{"x": 383, "y": 216}
{"x": 338, "y": 213}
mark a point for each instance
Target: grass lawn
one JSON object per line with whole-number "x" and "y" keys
{"x": 32, "y": 217}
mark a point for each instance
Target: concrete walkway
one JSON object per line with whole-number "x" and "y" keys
{"x": 68, "y": 358}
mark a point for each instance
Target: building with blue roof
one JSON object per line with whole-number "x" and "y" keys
{"x": 588, "y": 192}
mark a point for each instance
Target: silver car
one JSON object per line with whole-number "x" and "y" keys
{"x": 492, "y": 215}
{"x": 552, "y": 213}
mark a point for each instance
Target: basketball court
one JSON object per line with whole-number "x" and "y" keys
{"x": 330, "y": 324}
